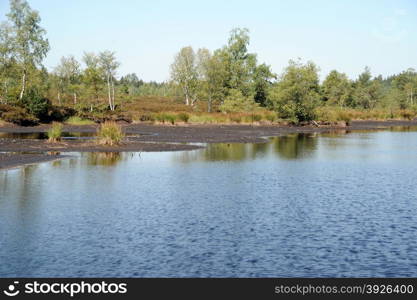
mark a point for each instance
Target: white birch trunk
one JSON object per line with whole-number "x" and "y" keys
{"x": 22, "y": 92}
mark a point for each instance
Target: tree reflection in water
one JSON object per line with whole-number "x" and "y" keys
{"x": 104, "y": 158}
{"x": 291, "y": 146}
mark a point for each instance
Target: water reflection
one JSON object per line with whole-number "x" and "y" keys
{"x": 293, "y": 146}
{"x": 104, "y": 158}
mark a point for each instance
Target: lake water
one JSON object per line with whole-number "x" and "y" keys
{"x": 342, "y": 204}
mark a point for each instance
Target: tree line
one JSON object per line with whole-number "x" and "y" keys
{"x": 232, "y": 78}
{"x": 229, "y": 79}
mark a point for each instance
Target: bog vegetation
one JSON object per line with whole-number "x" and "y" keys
{"x": 227, "y": 85}
{"x": 110, "y": 134}
{"x": 55, "y": 132}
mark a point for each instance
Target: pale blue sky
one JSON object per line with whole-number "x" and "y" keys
{"x": 344, "y": 35}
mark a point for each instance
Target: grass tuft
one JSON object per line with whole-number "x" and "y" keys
{"x": 110, "y": 134}
{"x": 78, "y": 121}
{"x": 55, "y": 132}
{"x": 184, "y": 117}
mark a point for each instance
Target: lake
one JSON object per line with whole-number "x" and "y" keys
{"x": 311, "y": 205}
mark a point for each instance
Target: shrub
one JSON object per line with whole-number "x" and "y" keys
{"x": 110, "y": 134}
{"x": 271, "y": 117}
{"x": 237, "y": 102}
{"x": 17, "y": 115}
{"x": 160, "y": 117}
{"x": 184, "y": 117}
{"x": 170, "y": 118}
{"x": 55, "y": 132}
{"x": 36, "y": 104}
{"x": 165, "y": 117}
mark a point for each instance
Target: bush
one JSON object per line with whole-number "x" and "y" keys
{"x": 17, "y": 115}
{"x": 110, "y": 134}
{"x": 184, "y": 117}
{"x": 36, "y": 104}
{"x": 271, "y": 117}
{"x": 237, "y": 102}
{"x": 55, "y": 132}
{"x": 165, "y": 117}
{"x": 170, "y": 118}
{"x": 160, "y": 117}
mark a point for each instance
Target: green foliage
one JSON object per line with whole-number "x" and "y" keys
{"x": 36, "y": 104}
{"x": 297, "y": 94}
{"x": 212, "y": 76}
{"x": 166, "y": 118}
{"x": 26, "y": 40}
{"x": 110, "y": 134}
{"x": 184, "y": 117}
{"x": 336, "y": 89}
{"x": 75, "y": 120}
{"x": 237, "y": 102}
{"x": 55, "y": 132}
{"x": 203, "y": 119}
{"x": 184, "y": 72}
{"x": 239, "y": 63}
{"x": 271, "y": 117}
{"x": 262, "y": 82}
{"x": 367, "y": 91}
{"x": 171, "y": 118}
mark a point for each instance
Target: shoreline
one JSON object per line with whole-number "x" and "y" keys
{"x": 158, "y": 138}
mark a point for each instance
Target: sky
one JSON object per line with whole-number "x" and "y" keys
{"x": 345, "y": 35}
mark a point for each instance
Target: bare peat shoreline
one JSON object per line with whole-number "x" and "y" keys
{"x": 152, "y": 138}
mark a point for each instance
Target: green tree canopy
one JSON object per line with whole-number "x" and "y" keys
{"x": 297, "y": 93}
{"x": 337, "y": 89}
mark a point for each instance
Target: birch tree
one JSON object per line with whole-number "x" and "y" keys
{"x": 93, "y": 75}
{"x": 6, "y": 62}
{"x": 27, "y": 39}
{"x": 212, "y": 76}
{"x": 184, "y": 72}
{"x": 68, "y": 72}
{"x": 109, "y": 64}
